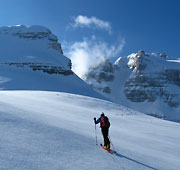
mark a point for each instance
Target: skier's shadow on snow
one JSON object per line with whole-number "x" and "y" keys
{"x": 122, "y": 156}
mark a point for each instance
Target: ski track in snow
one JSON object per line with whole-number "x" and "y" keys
{"x": 53, "y": 130}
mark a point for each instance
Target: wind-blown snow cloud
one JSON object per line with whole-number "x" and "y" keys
{"x": 84, "y": 21}
{"x": 90, "y": 52}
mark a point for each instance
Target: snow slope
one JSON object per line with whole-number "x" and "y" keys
{"x": 53, "y": 130}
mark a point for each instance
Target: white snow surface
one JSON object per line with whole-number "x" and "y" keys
{"x": 55, "y": 131}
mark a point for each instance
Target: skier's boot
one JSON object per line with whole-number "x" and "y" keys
{"x": 108, "y": 146}
{"x": 105, "y": 147}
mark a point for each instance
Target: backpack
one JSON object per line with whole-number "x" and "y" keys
{"x": 105, "y": 122}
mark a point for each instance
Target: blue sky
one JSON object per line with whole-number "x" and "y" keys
{"x": 151, "y": 25}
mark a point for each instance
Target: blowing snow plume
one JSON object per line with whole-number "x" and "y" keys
{"x": 90, "y": 52}
{"x": 92, "y": 49}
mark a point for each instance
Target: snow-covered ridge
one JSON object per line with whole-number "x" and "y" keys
{"x": 32, "y": 32}
{"x": 30, "y": 44}
{"x": 31, "y": 58}
{"x": 151, "y": 62}
{"x": 149, "y": 82}
{"x": 34, "y": 47}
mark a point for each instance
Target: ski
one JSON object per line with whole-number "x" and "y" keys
{"x": 108, "y": 150}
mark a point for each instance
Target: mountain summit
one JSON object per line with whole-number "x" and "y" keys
{"x": 31, "y": 58}
{"x": 148, "y": 82}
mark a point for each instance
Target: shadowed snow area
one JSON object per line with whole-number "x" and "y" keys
{"x": 53, "y": 130}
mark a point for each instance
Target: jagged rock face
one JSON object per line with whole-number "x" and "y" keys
{"x": 149, "y": 88}
{"x": 150, "y": 84}
{"x": 140, "y": 78}
{"x": 101, "y": 74}
{"x": 40, "y": 67}
{"x": 136, "y": 62}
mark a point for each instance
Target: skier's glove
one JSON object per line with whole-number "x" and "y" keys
{"x": 94, "y": 120}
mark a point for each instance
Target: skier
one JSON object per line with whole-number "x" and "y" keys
{"x": 104, "y": 124}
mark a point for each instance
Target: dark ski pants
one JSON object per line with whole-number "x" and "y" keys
{"x": 105, "y": 136}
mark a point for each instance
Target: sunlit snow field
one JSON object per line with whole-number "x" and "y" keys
{"x": 53, "y": 130}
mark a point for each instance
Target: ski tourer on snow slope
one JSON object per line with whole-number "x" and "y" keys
{"x": 104, "y": 124}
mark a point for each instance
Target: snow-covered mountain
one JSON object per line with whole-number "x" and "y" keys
{"x": 31, "y": 58}
{"x": 148, "y": 82}
{"x": 55, "y": 131}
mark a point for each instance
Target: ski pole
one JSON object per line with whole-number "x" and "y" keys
{"x": 96, "y": 134}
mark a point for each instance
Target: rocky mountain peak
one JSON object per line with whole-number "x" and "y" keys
{"x": 34, "y": 32}
{"x": 141, "y": 53}
{"x": 141, "y": 79}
